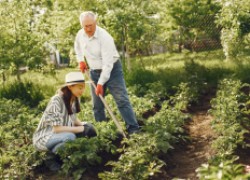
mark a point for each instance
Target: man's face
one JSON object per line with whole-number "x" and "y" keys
{"x": 89, "y": 26}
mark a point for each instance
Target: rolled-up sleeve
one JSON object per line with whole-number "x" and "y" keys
{"x": 107, "y": 53}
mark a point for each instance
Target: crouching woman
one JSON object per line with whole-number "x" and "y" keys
{"x": 59, "y": 122}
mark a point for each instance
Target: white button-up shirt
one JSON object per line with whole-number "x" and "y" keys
{"x": 99, "y": 50}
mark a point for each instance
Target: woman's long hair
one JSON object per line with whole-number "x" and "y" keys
{"x": 67, "y": 94}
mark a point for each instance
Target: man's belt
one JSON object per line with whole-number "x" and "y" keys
{"x": 97, "y": 70}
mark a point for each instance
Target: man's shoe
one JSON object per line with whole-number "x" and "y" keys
{"x": 135, "y": 131}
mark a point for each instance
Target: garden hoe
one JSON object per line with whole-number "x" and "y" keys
{"x": 107, "y": 107}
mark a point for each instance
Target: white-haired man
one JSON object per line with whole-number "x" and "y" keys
{"x": 97, "y": 47}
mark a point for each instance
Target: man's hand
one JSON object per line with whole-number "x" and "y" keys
{"x": 99, "y": 90}
{"x": 83, "y": 66}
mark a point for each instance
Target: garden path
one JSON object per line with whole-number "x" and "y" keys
{"x": 187, "y": 156}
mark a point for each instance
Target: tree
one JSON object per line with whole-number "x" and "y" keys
{"x": 60, "y": 21}
{"x": 187, "y": 20}
{"x": 234, "y": 18}
{"x": 20, "y": 43}
{"x": 133, "y": 24}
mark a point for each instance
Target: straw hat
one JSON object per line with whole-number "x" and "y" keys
{"x": 73, "y": 78}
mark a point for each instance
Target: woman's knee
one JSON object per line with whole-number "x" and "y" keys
{"x": 69, "y": 137}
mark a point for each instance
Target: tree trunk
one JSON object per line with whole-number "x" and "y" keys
{"x": 123, "y": 44}
{"x": 3, "y": 77}
{"x": 180, "y": 40}
{"x": 127, "y": 56}
{"x": 18, "y": 75}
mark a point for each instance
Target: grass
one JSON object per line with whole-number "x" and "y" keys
{"x": 170, "y": 68}
{"x": 48, "y": 83}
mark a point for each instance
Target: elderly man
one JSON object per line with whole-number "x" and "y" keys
{"x": 97, "y": 47}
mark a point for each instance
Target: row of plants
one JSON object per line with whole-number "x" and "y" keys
{"x": 139, "y": 155}
{"x": 228, "y": 111}
{"x": 17, "y": 153}
{"x": 83, "y": 154}
{"x": 137, "y": 159}
{"x": 19, "y": 159}
{"x": 20, "y": 118}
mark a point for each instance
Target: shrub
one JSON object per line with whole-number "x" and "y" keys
{"x": 27, "y": 92}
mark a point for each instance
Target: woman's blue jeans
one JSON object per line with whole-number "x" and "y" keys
{"x": 58, "y": 140}
{"x": 117, "y": 88}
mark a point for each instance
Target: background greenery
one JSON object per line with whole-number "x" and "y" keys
{"x": 173, "y": 52}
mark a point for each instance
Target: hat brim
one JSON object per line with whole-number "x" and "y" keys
{"x": 72, "y": 83}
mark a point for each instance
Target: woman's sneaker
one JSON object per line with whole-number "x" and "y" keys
{"x": 53, "y": 162}
{"x": 53, "y": 165}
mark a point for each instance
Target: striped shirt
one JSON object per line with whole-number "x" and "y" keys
{"x": 100, "y": 51}
{"x": 55, "y": 114}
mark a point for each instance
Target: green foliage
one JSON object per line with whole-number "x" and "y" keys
{"x": 147, "y": 83}
{"x": 165, "y": 125}
{"x": 139, "y": 159}
{"x": 29, "y": 93}
{"x": 140, "y": 76}
{"x": 141, "y": 104}
{"x": 241, "y": 71}
{"x": 189, "y": 20}
{"x": 185, "y": 95}
{"x": 84, "y": 153}
{"x": 19, "y": 156}
{"x": 222, "y": 169}
{"x": 234, "y": 19}
{"x": 46, "y": 69}
{"x": 79, "y": 155}
{"x": 136, "y": 26}
{"x": 132, "y": 23}
{"x": 7, "y": 109}
{"x": 230, "y": 133}
{"x": 21, "y": 43}
{"x": 228, "y": 117}
{"x": 156, "y": 92}
{"x": 196, "y": 78}
{"x": 22, "y": 160}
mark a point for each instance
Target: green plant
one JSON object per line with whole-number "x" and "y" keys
{"x": 29, "y": 93}
{"x": 228, "y": 116}
{"x": 139, "y": 158}
{"x": 137, "y": 161}
{"x": 186, "y": 94}
{"x": 222, "y": 169}
{"x": 227, "y": 124}
{"x": 84, "y": 153}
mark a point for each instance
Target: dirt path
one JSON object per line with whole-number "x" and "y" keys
{"x": 188, "y": 156}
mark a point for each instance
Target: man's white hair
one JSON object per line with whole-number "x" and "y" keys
{"x": 87, "y": 14}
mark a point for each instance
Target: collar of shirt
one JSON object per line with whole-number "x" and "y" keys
{"x": 95, "y": 34}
